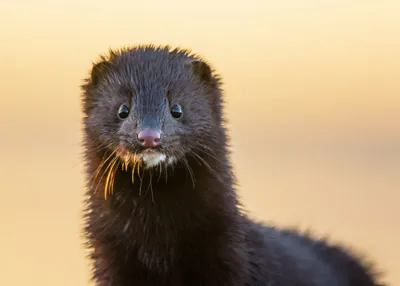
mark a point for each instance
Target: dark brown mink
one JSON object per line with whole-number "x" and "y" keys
{"x": 161, "y": 204}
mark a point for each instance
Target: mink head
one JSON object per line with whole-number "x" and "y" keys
{"x": 152, "y": 106}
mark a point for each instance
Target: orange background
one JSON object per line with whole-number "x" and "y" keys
{"x": 313, "y": 102}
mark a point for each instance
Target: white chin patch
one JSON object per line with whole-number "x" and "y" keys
{"x": 151, "y": 159}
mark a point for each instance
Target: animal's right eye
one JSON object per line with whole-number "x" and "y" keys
{"x": 123, "y": 111}
{"x": 176, "y": 111}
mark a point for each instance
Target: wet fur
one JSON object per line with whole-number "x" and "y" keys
{"x": 182, "y": 224}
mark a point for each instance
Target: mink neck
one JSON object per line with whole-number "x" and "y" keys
{"x": 190, "y": 186}
{"x": 165, "y": 216}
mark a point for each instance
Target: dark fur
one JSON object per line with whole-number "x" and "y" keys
{"x": 167, "y": 229}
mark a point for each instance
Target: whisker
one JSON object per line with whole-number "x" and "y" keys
{"x": 105, "y": 171}
{"x": 150, "y": 186}
{"x": 107, "y": 185}
{"x": 189, "y": 169}
{"x": 138, "y": 170}
{"x": 208, "y": 151}
{"x": 96, "y": 173}
{"x": 113, "y": 179}
{"x": 200, "y": 160}
{"x": 133, "y": 172}
{"x": 159, "y": 176}
{"x": 141, "y": 183}
{"x": 136, "y": 162}
{"x": 211, "y": 170}
{"x": 99, "y": 148}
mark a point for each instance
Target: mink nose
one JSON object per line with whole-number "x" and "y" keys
{"x": 149, "y": 138}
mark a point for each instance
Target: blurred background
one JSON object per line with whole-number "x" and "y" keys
{"x": 313, "y": 103}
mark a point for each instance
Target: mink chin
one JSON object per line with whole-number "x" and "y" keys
{"x": 161, "y": 205}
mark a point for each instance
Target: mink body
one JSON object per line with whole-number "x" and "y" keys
{"x": 171, "y": 216}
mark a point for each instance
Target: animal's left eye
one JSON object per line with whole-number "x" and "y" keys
{"x": 123, "y": 111}
{"x": 176, "y": 111}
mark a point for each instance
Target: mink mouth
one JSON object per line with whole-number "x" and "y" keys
{"x": 132, "y": 161}
{"x": 146, "y": 158}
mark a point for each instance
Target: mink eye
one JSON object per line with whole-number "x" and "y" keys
{"x": 176, "y": 111}
{"x": 123, "y": 111}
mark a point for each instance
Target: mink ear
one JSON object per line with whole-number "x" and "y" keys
{"x": 201, "y": 69}
{"x": 99, "y": 70}
{"x": 204, "y": 73}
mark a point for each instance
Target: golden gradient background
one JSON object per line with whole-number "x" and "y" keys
{"x": 313, "y": 102}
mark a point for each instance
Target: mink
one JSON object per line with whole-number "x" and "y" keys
{"x": 161, "y": 206}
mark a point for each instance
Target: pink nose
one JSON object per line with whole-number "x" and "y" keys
{"x": 149, "y": 138}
